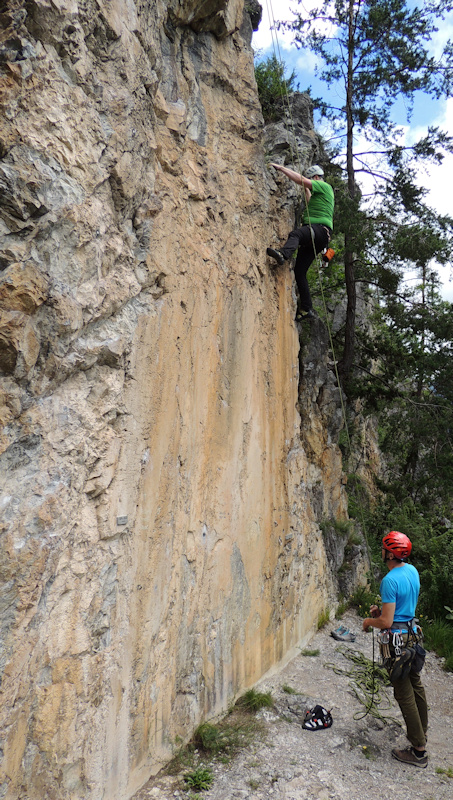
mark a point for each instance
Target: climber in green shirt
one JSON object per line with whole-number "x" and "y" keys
{"x": 315, "y": 233}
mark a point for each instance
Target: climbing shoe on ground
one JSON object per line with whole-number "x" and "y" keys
{"x": 317, "y": 719}
{"x": 277, "y": 255}
{"x": 410, "y": 756}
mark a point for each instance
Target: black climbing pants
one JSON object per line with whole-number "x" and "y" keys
{"x": 307, "y": 247}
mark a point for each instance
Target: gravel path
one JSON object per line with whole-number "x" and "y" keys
{"x": 349, "y": 761}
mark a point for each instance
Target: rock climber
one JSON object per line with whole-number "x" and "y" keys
{"x": 399, "y": 592}
{"x": 314, "y": 234}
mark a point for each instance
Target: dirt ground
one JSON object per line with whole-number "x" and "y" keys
{"x": 349, "y": 761}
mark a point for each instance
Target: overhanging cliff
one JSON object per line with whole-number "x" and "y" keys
{"x": 161, "y": 492}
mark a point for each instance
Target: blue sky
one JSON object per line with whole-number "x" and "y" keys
{"x": 426, "y": 112}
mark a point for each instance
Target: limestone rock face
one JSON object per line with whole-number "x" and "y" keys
{"x": 159, "y": 541}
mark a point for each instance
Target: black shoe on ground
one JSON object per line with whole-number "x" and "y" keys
{"x": 409, "y": 756}
{"x": 277, "y": 255}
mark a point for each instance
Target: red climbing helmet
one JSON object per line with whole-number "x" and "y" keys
{"x": 398, "y": 544}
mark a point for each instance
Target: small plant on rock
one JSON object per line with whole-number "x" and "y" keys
{"x": 253, "y": 700}
{"x": 200, "y": 779}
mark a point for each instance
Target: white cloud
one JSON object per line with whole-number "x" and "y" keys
{"x": 307, "y": 61}
{"x": 265, "y": 37}
{"x": 440, "y": 178}
{"x": 438, "y": 40}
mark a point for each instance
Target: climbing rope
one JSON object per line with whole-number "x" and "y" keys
{"x": 318, "y": 262}
{"x": 366, "y": 675}
{"x": 367, "y": 681}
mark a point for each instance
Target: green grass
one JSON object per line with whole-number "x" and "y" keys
{"x": 224, "y": 739}
{"x": 253, "y": 700}
{"x": 306, "y": 652}
{"x": 200, "y": 779}
{"x": 288, "y": 689}
{"x": 343, "y": 606}
{"x": 439, "y": 637}
{"x": 323, "y": 618}
{"x": 218, "y": 742}
{"x": 447, "y": 772}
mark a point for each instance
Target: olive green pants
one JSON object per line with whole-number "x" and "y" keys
{"x": 410, "y": 695}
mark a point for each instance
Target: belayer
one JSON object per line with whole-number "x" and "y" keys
{"x": 398, "y": 639}
{"x": 314, "y": 234}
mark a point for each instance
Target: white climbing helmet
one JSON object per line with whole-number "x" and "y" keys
{"x": 314, "y": 170}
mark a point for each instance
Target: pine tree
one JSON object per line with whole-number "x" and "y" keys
{"x": 375, "y": 52}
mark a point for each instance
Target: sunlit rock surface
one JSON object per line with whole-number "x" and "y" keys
{"x": 161, "y": 494}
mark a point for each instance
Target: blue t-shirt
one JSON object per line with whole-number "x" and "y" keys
{"x": 401, "y": 586}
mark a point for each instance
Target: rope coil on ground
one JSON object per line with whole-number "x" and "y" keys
{"x": 367, "y": 681}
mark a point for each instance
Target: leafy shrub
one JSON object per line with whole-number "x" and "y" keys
{"x": 200, "y": 779}
{"x": 253, "y": 700}
{"x": 438, "y": 636}
{"x": 272, "y": 86}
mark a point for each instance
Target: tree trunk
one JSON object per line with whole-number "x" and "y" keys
{"x": 348, "y": 353}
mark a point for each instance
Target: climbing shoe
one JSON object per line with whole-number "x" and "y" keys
{"x": 301, "y": 315}
{"x": 410, "y": 756}
{"x": 317, "y": 719}
{"x": 277, "y": 255}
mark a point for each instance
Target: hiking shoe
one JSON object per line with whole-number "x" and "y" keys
{"x": 409, "y": 756}
{"x": 343, "y": 635}
{"x": 279, "y": 257}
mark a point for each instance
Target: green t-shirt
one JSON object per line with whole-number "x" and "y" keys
{"x": 321, "y": 205}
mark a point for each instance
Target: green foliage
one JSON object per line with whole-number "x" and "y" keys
{"x": 323, "y": 618}
{"x": 339, "y": 526}
{"x": 211, "y": 738}
{"x": 253, "y": 700}
{"x": 438, "y": 636}
{"x": 342, "y": 607}
{"x": 310, "y": 653}
{"x": 431, "y": 534}
{"x": 273, "y": 86}
{"x": 219, "y": 741}
{"x": 432, "y": 539}
{"x": 379, "y": 53}
{"x": 223, "y": 739}
{"x": 288, "y": 689}
{"x": 447, "y": 772}
{"x": 362, "y": 599}
{"x": 200, "y": 779}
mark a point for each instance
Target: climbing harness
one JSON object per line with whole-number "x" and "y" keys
{"x": 401, "y": 650}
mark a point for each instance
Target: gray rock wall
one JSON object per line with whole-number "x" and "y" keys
{"x": 159, "y": 541}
